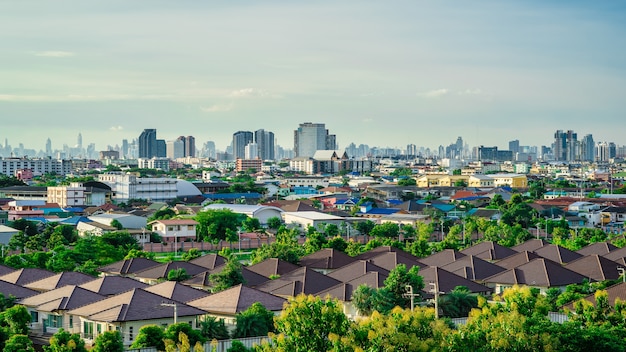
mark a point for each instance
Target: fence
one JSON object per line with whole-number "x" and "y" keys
{"x": 217, "y": 346}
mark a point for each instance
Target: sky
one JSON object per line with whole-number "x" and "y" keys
{"x": 382, "y": 73}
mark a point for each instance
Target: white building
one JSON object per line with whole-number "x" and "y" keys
{"x": 126, "y": 186}
{"x": 304, "y": 219}
{"x": 9, "y": 166}
{"x": 68, "y": 196}
{"x": 261, "y": 212}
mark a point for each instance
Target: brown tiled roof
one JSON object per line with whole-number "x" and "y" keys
{"x": 616, "y": 254}
{"x": 237, "y": 299}
{"x": 26, "y": 275}
{"x": 473, "y": 268}
{"x": 356, "y": 269}
{"x": 273, "y": 266}
{"x": 302, "y": 280}
{"x": 539, "y": 272}
{"x": 112, "y": 285}
{"x": 600, "y": 248}
{"x": 384, "y": 249}
{"x": 59, "y": 280}
{"x": 530, "y": 245}
{"x": 64, "y": 298}
{"x": 161, "y": 271}
{"x": 489, "y": 250}
{"x": 134, "y": 305}
{"x": 176, "y": 291}
{"x": 557, "y": 253}
{"x": 209, "y": 261}
{"x": 9, "y": 289}
{"x": 344, "y": 290}
{"x": 327, "y": 258}
{"x": 595, "y": 267}
{"x": 389, "y": 260}
{"x": 517, "y": 259}
{"x": 447, "y": 281}
{"x": 203, "y": 280}
{"x": 293, "y": 205}
{"x": 128, "y": 266}
{"x": 442, "y": 258}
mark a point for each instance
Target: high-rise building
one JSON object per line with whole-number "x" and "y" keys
{"x": 514, "y": 146}
{"x": 251, "y": 151}
{"x": 190, "y": 146}
{"x": 587, "y": 148}
{"x": 79, "y": 141}
{"x": 265, "y": 142}
{"x": 240, "y": 140}
{"x": 147, "y": 143}
{"x": 565, "y": 146}
{"x": 310, "y": 137}
{"x": 175, "y": 149}
{"x": 48, "y": 147}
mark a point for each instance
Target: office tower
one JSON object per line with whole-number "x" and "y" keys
{"x": 514, "y": 146}
{"x": 240, "y": 140}
{"x": 125, "y": 148}
{"x": 587, "y": 148}
{"x": 79, "y": 141}
{"x": 190, "y": 146}
{"x": 176, "y": 149}
{"x": 602, "y": 152}
{"x": 265, "y": 142}
{"x": 147, "y": 143}
{"x": 487, "y": 153}
{"x": 311, "y": 137}
{"x": 565, "y": 146}
{"x": 48, "y": 147}
{"x": 411, "y": 149}
{"x": 209, "y": 150}
{"x": 161, "y": 150}
{"x": 251, "y": 151}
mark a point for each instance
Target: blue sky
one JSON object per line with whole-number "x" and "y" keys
{"x": 381, "y": 73}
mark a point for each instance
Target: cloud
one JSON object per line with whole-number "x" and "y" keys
{"x": 217, "y": 108}
{"x": 54, "y": 53}
{"x": 437, "y": 93}
{"x": 252, "y": 93}
{"x": 116, "y": 128}
{"x": 368, "y": 120}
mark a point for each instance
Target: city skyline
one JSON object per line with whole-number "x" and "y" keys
{"x": 384, "y": 74}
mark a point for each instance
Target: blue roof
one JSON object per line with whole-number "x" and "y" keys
{"x": 347, "y": 200}
{"x": 232, "y": 195}
{"x": 74, "y": 209}
{"x": 382, "y": 211}
{"x": 74, "y": 220}
{"x": 469, "y": 199}
{"x": 444, "y": 207}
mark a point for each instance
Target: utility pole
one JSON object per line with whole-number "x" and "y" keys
{"x": 435, "y": 290}
{"x": 411, "y": 295}
{"x": 175, "y": 310}
{"x": 621, "y": 272}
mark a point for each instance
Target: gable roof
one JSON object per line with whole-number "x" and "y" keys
{"x": 26, "y": 275}
{"x": 326, "y": 258}
{"x": 176, "y": 291}
{"x": 237, "y": 299}
{"x": 344, "y": 290}
{"x": 530, "y": 245}
{"x": 539, "y": 272}
{"x": 64, "y": 298}
{"x": 273, "y": 266}
{"x": 517, "y": 259}
{"x": 473, "y": 268}
{"x": 112, "y": 285}
{"x": 356, "y": 269}
{"x": 616, "y": 254}
{"x": 161, "y": 270}
{"x": 595, "y": 267}
{"x": 447, "y": 281}
{"x": 128, "y": 266}
{"x": 302, "y": 280}
{"x": 390, "y": 260}
{"x": 442, "y": 258}
{"x": 59, "y": 280}
{"x": 9, "y": 289}
{"x": 600, "y": 248}
{"x": 384, "y": 249}
{"x": 5, "y": 269}
{"x": 209, "y": 261}
{"x": 557, "y": 253}
{"x": 134, "y": 305}
{"x": 489, "y": 250}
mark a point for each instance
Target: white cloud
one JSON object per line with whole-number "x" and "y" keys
{"x": 217, "y": 108}
{"x": 54, "y": 53}
{"x": 252, "y": 93}
{"x": 437, "y": 93}
{"x": 116, "y": 128}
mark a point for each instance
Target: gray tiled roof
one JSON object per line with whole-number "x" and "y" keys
{"x": 128, "y": 266}
{"x": 356, "y": 269}
{"x": 447, "y": 281}
{"x": 600, "y": 248}
{"x": 59, "y": 280}
{"x": 176, "y": 291}
{"x": 530, "y": 245}
{"x": 442, "y": 258}
{"x": 273, "y": 266}
{"x": 557, "y": 253}
{"x": 517, "y": 259}
{"x": 64, "y": 298}
{"x": 539, "y": 272}
{"x": 9, "y": 289}
{"x": 302, "y": 280}
{"x": 327, "y": 258}
{"x": 26, "y": 275}
{"x": 489, "y": 250}
{"x": 112, "y": 285}
{"x": 473, "y": 268}
{"x": 595, "y": 267}
{"x": 237, "y": 299}
{"x": 389, "y": 260}
{"x": 209, "y": 261}
{"x": 161, "y": 271}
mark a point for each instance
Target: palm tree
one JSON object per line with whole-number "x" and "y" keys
{"x": 458, "y": 303}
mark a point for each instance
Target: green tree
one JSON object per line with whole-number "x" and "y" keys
{"x": 274, "y": 223}
{"x": 387, "y": 229}
{"x": 365, "y": 227}
{"x": 458, "y": 303}
{"x": 308, "y": 322}
{"x": 237, "y": 346}
{"x": 118, "y": 225}
{"x": 18, "y": 343}
{"x": 179, "y": 275}
{"x": 254, "y": 321}
{"x": 109, "y": 341}
{"x": 252, "y": 225}
{"x": 16, "y": 320}
{"x": 162, "y": 214}
{"x": 213, "y": 328}
{"x": 230, "y": 276}
{"x": 407, "y": 182}
{"x": 150, "y": 336}
{"x": 218, "y": 225}
{"x": 63, "y": 341}
{"x": 285, "y": 247}
{"x": 192, "y": 253}
{"x": 398, "y": 280}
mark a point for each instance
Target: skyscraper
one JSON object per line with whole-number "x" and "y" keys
{"x": 514, "y": 146}
{"x": 587, "y": 148}
{"x": 265, "y": 141}
{"x": 147, "y": 143}
{"x": 565, "y": 146}
{"x": 310, "y": 137}
{"x": 240, "y": 140}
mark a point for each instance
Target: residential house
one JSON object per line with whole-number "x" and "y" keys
{"x": 6, "y": 233}
{"x": 59, "y": 280}
{"x": 175, "y": 230}
{"x": 112, "y": 285}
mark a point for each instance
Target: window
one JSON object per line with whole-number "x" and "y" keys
{"x": 34, "y": 317}
{"x": 71, "y": 321}
{"x": 130, "y": 333}
{"x": 88, "y": 330}
{"x": 55, "y": 321}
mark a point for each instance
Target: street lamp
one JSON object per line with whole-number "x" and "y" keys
{"x": 175, "y": 310}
